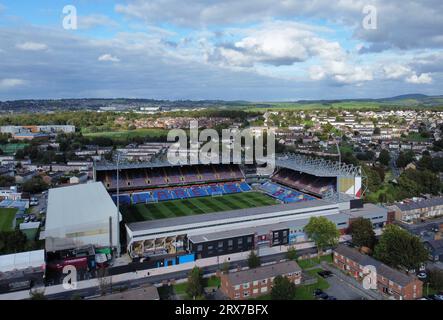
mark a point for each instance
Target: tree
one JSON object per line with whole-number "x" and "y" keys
{"x": 400, "y": 249}
{"x": 253, "y": 260}
{"x": 37, "y": 294}
{"x": 377, "y": 130}
{"x": 291, "y": 254}
{"x": 12, "y": 242}
{"x": 362, "y": 233}
{"x": 6, "y": 181}
{"x": 195, "y": 280}
{"x": 322, "y": 231}
{"x": 405, "y": 158}
{"x": 35, "y": 185}
{"x": 225, "y": 267}
{"x": 435, "y": 277}
{"x": 282, "y": 289}
{"x": 384, "y": 157}
{"x": 104, "y": 281}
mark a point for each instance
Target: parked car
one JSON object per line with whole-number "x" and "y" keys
{"x": 27, "y": 218}
{"x": 320, "y": 294}
{"x": 438, "y": 297}
{"x": 422, "y": 275}
{"x": 325, "y": 274}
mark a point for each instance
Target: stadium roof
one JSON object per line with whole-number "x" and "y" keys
{"x": 143, "y": 165}
{"x": 82, "y": 209}
{"x": 199, "y": 218}
{"x": 367, "y": 210}
{"x": 293, "y": 224}
{"x": 316, "y": 166}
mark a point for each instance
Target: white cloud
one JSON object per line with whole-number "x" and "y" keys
{"x": 396, "y": 71}
{"x": 32, "y": 46}
{"x": 108, "y": 57}
{"x": 10, "y": 83}
{"x": 424, "y": 78}
{"x": 95, "y": 20}
{"x": 405, "y": 72}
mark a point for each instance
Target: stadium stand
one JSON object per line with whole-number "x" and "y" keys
{"x": 304, "y": 182}
{"x": 175, "y": 193}
{"x": 138, "y": 178}
{"x": 284, "y": 194}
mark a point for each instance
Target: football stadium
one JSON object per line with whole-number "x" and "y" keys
{"x": 178, "y": 213}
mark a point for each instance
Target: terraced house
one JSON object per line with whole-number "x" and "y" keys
{"x": 390, "y": 282}
{"x": 418, "y": 210}
{"x": 255, "y": 282}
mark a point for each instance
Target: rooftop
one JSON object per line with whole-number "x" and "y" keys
{"x": 79, "y": 210}
{"x": 420, "y": 204}
{"x": 22, "y": 260}
{"x": 265, "y": 272}
{"x": 161, "y": 223}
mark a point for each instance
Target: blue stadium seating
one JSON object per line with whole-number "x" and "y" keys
{"x": 284, "y": 194}
{"x": 162, "y": 194}
{"x": 198, "y": 191}
{"x": 180, "y": 193}
{"x": 245, "y": 187}
{"x": 214, "y": 189}
{"x": 141, "y": 197}
{"x": 183, "y": 192}
{"x": 124, "y": 199}
{"x": 231, "y": 188}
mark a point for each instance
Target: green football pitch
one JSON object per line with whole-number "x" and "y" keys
{"x": 191, "y": 206}
{"x": 7, "y": 215}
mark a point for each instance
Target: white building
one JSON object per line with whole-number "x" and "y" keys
{"x": 80, "y": 215}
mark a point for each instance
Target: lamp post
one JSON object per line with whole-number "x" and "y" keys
{"x": 118, "y": 207}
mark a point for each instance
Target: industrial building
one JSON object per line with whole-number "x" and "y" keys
{"x": 80, "y": 215}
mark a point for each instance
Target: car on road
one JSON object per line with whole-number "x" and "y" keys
{"x": 331, "y": 298}
{"x": 320, "y": 294}
{"x": 325, "y": 274}
{"x": 438, "y": 297}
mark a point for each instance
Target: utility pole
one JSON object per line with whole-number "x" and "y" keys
{"x": 118, "y": 207}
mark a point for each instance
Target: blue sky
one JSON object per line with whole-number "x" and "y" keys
{"x": 260, "y": 50}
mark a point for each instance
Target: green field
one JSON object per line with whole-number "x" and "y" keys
{"x": 186, "y": 207}
{"x": 7, "y": 215}
{"x": 126, "y": 134}
{"x": 11, "y": 148}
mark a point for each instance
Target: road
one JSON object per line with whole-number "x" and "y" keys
{"x": 393, "y": 165}
{"x": 169, "y": 277}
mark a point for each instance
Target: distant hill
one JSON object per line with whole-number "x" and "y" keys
{"x": 122, "y": 104}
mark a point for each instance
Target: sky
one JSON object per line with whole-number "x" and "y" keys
{"x": 256, "y": 50}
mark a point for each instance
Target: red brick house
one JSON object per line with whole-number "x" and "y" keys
{"x": 390, "y": 282}
{"x": 255, "y": 282}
